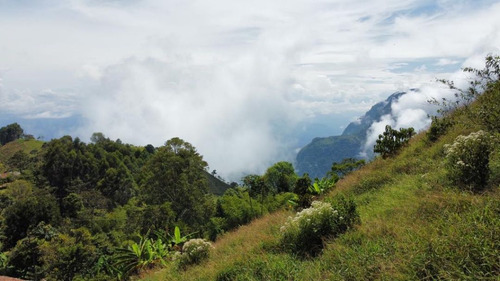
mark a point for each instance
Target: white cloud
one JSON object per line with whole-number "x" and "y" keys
{"x": 231, "y": 77}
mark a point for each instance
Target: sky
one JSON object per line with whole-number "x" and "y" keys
{"x": 246, "y": 82}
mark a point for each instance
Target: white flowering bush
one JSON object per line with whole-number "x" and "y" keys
{"x": 303, "y": 234}
{"x": 194, "y": 251}
{"x": 467, "y": 160}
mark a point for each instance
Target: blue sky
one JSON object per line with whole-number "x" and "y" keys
{"x": 244, "y": 81}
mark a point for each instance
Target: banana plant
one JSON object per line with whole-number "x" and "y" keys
{"x": 138, "y": 256}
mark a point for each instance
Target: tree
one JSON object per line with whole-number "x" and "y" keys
{"x": 118, "y": 184}
{"x": 69, "y": 166}
{"x": 10, "y": 133}
{"x": 345, "y": 167}
{"x": 176, "y": 174}
{"x": 302, "y": 190}
{"x": 280, "y": 177}
{"x": 27, "y": 213}
{"x": 389, "y": 143}
{"x": 20, "y": 160}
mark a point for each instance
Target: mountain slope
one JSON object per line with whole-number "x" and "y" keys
{"x": 27, "y": 146}
{"x": 415, "y": 225}
{"x": 317, "y": 157}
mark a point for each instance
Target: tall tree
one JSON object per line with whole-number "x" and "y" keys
{"x": 175, "y": 173}
{"x": 10, "y": 133}
{"x": 281, "y": 177}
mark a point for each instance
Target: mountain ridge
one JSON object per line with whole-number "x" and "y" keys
{"x": 317, "y": 157}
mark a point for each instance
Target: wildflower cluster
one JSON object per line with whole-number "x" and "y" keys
{"x": 193, "y": 251}
{"x": 467, "y": 160}
{"x": 304, "y": 233}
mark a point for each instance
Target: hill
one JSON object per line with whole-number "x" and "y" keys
{"x": 215, "y": 185}
{"x": 317, "y": 157}
{"x": 30, "y": 146}
{"x": 418, "y": 222}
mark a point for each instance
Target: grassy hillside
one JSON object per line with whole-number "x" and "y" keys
{"x": 415, "y": 225}
{"x": 27, "y": 146}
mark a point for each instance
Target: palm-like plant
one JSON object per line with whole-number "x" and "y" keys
{"x": 139, "y": 256}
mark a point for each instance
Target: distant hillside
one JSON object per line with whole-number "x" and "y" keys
{"x": 27, "y": 146}
{"x": 216, "y": 186}
{"x": 317, "y": 157}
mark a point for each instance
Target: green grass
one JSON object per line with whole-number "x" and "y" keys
{"x": 28, "y": 146}
{"x": 414, "y": 226}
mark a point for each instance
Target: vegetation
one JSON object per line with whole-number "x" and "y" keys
{"x": 304, "y": 233}
{"x": 391, "y": 141}
{"x": 468, "y": 160}
{"x": 194, "y": 251}
{"x": 108, "y": 210}
{"x": 10, "y": 133}
{"x": 415, "y": 222}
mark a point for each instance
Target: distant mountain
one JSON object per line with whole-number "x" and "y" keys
{"x": 317, "y": 157}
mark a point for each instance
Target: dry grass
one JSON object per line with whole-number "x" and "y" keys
{"x": 236, "y": 246}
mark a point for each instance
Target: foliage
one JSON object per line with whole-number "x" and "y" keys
{"x": 345, "y": 167}
{"x": 483, "y": 80}
{"x": 175, "y": 174}
{"x": 66, "y": 256}
{"x": 139, "y": 256}
{"x": 10, "y": 133}
{"x": 3, "y": 263}
{"x": 20, "y": 161}
{"x": 321, "y": 186}
{"x": 237, "y": 207}
{"x": 26, "y": 213}
{"x": 302, "y": 189}
{"x": 25, "y": 261}
{"x": 194, "y": 251}
{"x": 438, "y": 127}
{"x": 280, "y": 177}
{"x": 488, "y": 109}
{"x": 304, "y": 234}
{"x": 391, "y": 141}
{"x": 468, "y": 160}
{"x": 257, "y": 186}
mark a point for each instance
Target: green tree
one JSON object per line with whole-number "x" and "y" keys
{"x": 389, "y": 142}
{"x": 257, "y": 188}
{"x": 25, "y": 214}
{"x": 175, "y": 173}
{"x": 20, "y": 160}
{"x": 68, "y": 256}
{"x": 302, "y": 190}
{"x": 10, "y": 133}
{"x": 345, "y": 167}
{"x": 280, "y": 177}
{"x": 118, "y": 184}
{"x": 69, "y": 166}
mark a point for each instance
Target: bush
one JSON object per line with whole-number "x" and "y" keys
{"x": 304, "y": 233}
{"x": 438, "y": 127}
{"x": 467, "y": 160}
{"x": 488, "y": 109}
{"x": 194, "y": 251}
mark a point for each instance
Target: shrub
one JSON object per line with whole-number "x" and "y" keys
{"x": 438, "y": 127}
{"x": 488, "y": 109}
{"x": 304, "y": 233}
{"x": 467, "y": 160}
{"x": 194, "y": 251}
{"x": 3, "y": 263}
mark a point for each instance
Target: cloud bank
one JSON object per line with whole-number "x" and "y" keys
{"x": 236, "y": 79}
